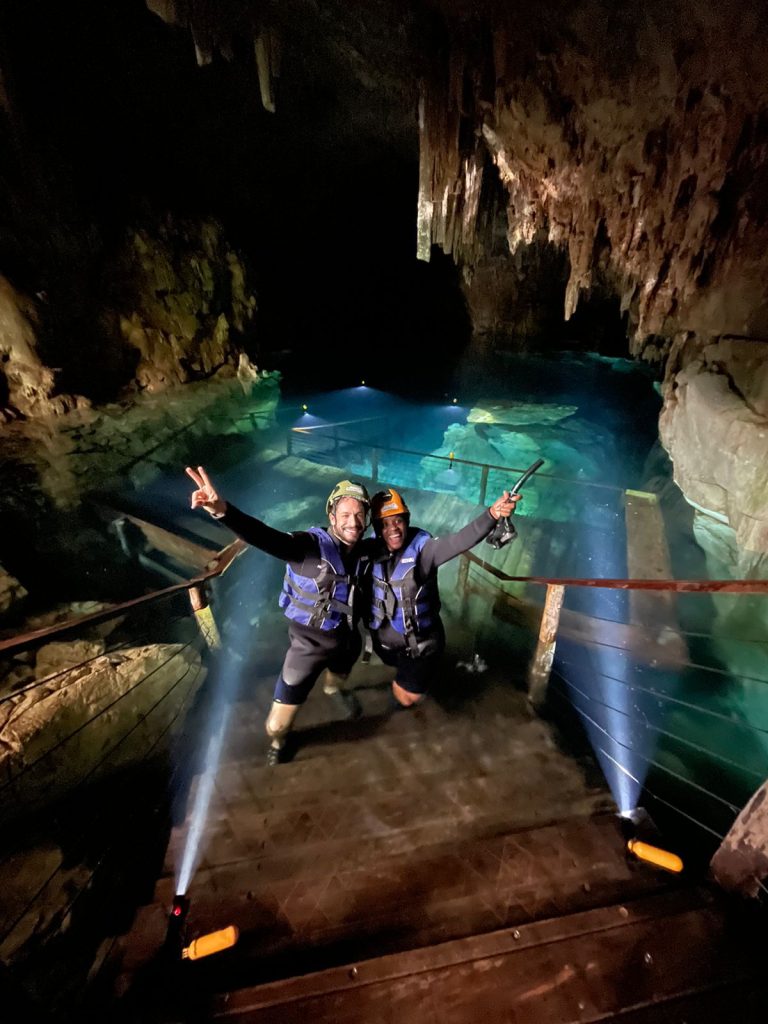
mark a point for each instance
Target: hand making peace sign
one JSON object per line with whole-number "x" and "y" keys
{"x": 205, "y": 496}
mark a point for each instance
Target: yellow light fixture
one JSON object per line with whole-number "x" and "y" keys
{"x": 653, "y": 855}
{"x": 213, "y": 942}
{"x": 305, "y": 407}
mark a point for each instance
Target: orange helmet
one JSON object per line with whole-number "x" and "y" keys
{"x": 388, "y": 503}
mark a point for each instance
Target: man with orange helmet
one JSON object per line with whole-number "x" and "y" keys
{"x": 401, "y": 600}
{"x": 318, "y": 597}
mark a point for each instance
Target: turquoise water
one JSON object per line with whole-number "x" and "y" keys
{"x": 686, "y": 740}
{"x": 685, "y": 734}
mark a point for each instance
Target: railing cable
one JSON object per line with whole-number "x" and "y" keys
{"x": 60, "y": 867}
{"x": 676, "y": 700}
{"x": 664, "y": 732}
{"x": 102, "y": 711}
{"x": 132, "y": 642}
{"x": 643, "y": 757}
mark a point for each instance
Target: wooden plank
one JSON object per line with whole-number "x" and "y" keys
{"x": 585, "y": 967}
{"x": 648, "y": 558}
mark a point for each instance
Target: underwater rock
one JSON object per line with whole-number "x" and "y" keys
{"x": 574, "y": 453}
{"x": 516, "y": 414}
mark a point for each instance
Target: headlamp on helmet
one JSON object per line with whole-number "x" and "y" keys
{"x": 348, "y": 489}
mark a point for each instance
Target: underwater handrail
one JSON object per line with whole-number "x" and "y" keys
{"x": 453, "y": 460}
{"x": 339, "y": 423}
{"x": 218, "y": 564}
{"x": 704, "y": 586}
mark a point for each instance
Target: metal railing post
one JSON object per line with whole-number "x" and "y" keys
{"x": 484, "y": 484}
{"x": 544, "y": 655}
{"x": 462, "y": 576}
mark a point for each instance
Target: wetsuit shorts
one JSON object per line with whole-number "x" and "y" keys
{"x": 414, "y": 673}
{"x": 309, "y": 653}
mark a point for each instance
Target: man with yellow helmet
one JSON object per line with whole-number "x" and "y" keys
{"x": 401, "y": 598}
{"x": 318, "y": 597}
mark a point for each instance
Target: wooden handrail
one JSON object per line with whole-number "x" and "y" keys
{"x": 218, "y": 564}
{"x": 695, "y": 586}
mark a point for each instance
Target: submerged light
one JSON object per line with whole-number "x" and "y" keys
{"x": 655, "y": 855}
{"x": 213, "y": 942}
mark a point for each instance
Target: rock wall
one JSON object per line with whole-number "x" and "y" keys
{"x": 714, "y": 425}
{"x": 181, "y": 294}
{"x": 27, "y": 386}
{"x": 630, "y": 136}
{"x": 174, "y": 306}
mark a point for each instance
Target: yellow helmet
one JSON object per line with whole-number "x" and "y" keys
{"x": 388, "y": 503}
{"x": 347, "y": 489}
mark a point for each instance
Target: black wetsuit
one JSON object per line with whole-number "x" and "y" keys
{"x": 311, "y": 650}
{"x": 414, "y": 670}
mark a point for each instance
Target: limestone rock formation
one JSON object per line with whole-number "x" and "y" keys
{"x": 630, "y": 137}
{"x": 182, "y": 292}
{"x": 715, "y": 426}
{"x": 741, "y": 863}
{"x": 11, "y": 592}
{"x": 89, "y": 715}
{"x": 27, "y": 386}
{"x": 631, "y": 140}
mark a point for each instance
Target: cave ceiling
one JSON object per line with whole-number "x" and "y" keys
{"x": 632, "y": 135}
{"x": 631, "y": 139}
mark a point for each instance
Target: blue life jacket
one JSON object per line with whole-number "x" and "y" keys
{"x": 412, "y": 608}
{"x": 321, "y": 601}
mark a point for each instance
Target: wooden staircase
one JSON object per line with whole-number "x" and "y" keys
{"x": 447, "y": 863}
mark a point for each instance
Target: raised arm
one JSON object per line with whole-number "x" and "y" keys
{"x": 289, "y": 547}
{"x": 439, "y": 550}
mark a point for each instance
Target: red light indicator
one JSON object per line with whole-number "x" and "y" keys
{"x": 177, "y": 911}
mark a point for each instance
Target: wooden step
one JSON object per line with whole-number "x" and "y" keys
{"x": 664, "y": 958}
{"x": 315, "y": 909}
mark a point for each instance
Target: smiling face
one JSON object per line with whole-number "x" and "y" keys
{"x": 348, "y": 520}
{"x": 393, "y": 531}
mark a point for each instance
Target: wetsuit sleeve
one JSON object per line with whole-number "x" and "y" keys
{"x": 439, "y": 550}
{"x": 288, "y": 547}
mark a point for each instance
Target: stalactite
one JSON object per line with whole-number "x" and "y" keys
{"x": 214, "y": 23}
{"x": 648, "y": 167}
